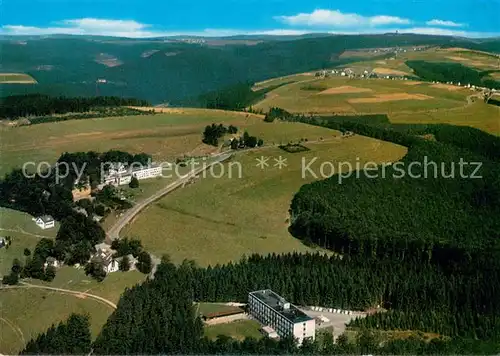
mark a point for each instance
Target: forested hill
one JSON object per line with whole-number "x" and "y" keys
{"x": 160, "y": 70}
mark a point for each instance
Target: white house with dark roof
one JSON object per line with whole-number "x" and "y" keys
{"x": 104, "y": 256}
{"x": 51, "y": 262}
{"x": 45, "y": 222}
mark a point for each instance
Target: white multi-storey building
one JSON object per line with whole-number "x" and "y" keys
{"x": 120, "y": 175}
{"x": 147, "y": 172}
{"x": 286, "y": 319}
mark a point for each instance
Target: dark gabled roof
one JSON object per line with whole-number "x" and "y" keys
{"x": 46, "y": 218}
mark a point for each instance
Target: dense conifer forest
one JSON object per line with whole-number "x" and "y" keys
{"x": 451, "y": 72}
{"x": 422, "y": 251}
{"x": 16, "y": 106}
{"x": 448, "y": 220}
{"x": 71, "y": 337}
{"x": 158, "y": 316}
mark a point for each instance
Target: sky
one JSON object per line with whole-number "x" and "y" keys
{"x": 154, "y": 18}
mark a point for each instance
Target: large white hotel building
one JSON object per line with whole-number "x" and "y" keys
{"x": 286, "y": 319}
{"x": 120, "y": 175}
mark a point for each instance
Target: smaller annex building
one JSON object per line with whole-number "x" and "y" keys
{"x": 45, "y": 222}
{"x": 284, "y": 318}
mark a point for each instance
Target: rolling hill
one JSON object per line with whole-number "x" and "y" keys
{"x": 170, "y": 69}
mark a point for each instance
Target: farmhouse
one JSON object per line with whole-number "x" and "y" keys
{"x": 51, "y": 262}
{"x": 45, "y": 222}
{"x": 104, "y": 257}
{"x": 282, "y": 317}
{"x": 3, "y": 242}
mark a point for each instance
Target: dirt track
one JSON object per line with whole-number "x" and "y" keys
{"x": 77, "y": 294}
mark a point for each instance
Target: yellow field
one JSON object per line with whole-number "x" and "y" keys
{"x": 16, "y": 78}
{"x": 216, "y": 220}
{"x": 389, "y": 71}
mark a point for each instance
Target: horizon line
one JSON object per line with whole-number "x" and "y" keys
{"x": 243, "y": 34}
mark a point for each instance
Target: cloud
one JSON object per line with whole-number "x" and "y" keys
{"x": 130, "y": 29}
{"x": 133, "y": 29}
{"x": 336, "y": 18}
{"x": 93, "y": 24}
{"x": 440, "y": 32}
{"x": 388, "y": 20}
{"x": 85, "y": 26}
{"x": 444, "y": 23}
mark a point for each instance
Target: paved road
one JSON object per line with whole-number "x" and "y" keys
{"x": 25, "y": 285}
{"x": 114, "y": 231}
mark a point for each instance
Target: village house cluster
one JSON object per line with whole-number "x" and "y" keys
{"x": 350, "y": 73}
{"x": 104, "y": 256}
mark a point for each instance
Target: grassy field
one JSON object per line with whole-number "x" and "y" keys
{"x": 478, "y": 115}
{"x": 219, "y": 220}
{"x": 238, "y": 330}
{"x": 111, "y": 288}
{"x": 403, "y": 101}
{"x": 24, "y": 313}
{"x": 16, "y": 78}
{"x": 164, "y": 135}
{"x": 282, "y": 80}
{"x": 209, "y": 308}
{"x": 474, "y": 59}
{"x": 27, "y": 312}
{"x": 24, "y": 233}
{"x": 344, "y": 95}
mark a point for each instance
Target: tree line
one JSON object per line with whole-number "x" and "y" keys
{"x": 458, "y": 227}
{"x": 16, "y": 106}
{"x": 158, "y": 316}
{"x": 213, "y": 133}
{"x": 422, "y": 296}
{"x": 451, "y": 72}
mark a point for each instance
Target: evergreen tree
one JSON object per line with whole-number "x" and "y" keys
{"x": 124, "y": 264}
{"x": 70, "y": 338}
{"x": 144, "y": 263}
{"x": 134, "y": 183}
{"x": 50, "y": 274}
{"x": 95, "y": 270}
